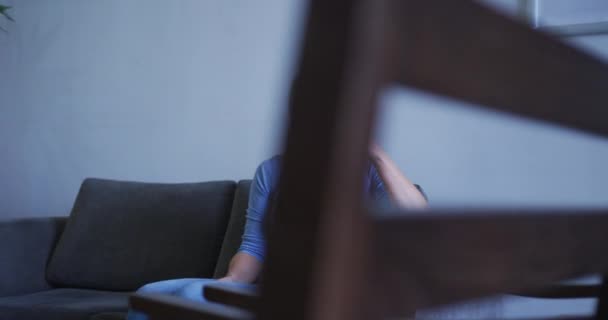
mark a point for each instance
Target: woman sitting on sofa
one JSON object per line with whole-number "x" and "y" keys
{"x": 383, "y": 181}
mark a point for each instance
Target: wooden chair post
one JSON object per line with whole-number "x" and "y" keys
{"x": 601, "y": 311}
{"x": 319, "y": 242}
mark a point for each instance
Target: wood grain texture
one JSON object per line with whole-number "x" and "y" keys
{"x": 466, "y": 51}
{"x": 434, "y": 258}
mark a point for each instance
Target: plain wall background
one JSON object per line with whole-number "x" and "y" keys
{"x": 194, "y": 90}
{"x": 187, "y": 90}
{"x": 472, "y": 157}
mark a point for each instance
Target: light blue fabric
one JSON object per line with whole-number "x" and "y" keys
{"x": 265, "y": 183}
{"x": 189, "y": 288}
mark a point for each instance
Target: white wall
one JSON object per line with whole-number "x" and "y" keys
{"x": 467, "y": 156}
{"x": 472, "y": 157}
{"x": 187, "y": 90}
{"x": 194, "y": 90}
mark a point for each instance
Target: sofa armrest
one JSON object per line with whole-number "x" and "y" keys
{"x": 25, "y": 247}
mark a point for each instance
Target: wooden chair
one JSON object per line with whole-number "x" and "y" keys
{"x": 328, "y": 258}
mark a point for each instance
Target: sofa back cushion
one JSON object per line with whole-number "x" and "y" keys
{"x": 236, "y": 226}
{"x": 122, "y": 235}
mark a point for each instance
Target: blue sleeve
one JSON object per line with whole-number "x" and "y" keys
{"x": 377, "y": 192}
{"x": 253, "y": 240}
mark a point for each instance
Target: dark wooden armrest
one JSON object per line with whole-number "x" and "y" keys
{"x": 165, "y": 307}
{"x": 563, "y": 291}
{"x": 246, "y": 298}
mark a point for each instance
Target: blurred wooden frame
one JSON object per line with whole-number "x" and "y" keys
{"x": 328, "y": 258}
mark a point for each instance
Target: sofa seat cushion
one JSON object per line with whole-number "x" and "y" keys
{"x": 62, "y": 304}
{"x": 122, "y": 235}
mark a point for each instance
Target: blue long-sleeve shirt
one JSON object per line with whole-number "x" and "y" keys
{"x": 264, "y": 184}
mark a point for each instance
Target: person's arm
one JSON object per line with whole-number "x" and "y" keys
{"x": 246, "y": 264}
{"x": 402, "y": 192}
{"x": 243, "y": 268}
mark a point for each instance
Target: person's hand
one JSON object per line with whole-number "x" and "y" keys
{"x": 226, "y": 279}
{"x": 375, "y": 152}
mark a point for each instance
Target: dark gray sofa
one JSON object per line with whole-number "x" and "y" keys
{"x": 118, "y": 237}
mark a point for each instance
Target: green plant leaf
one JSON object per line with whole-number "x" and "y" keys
{"x": 3, "y": 12}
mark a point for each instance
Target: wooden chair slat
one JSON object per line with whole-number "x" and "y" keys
{"x": 464, "y": 50}
{"x": 431, "y": 258}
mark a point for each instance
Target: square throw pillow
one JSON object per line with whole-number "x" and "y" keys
{"x": 121, "y": 235}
